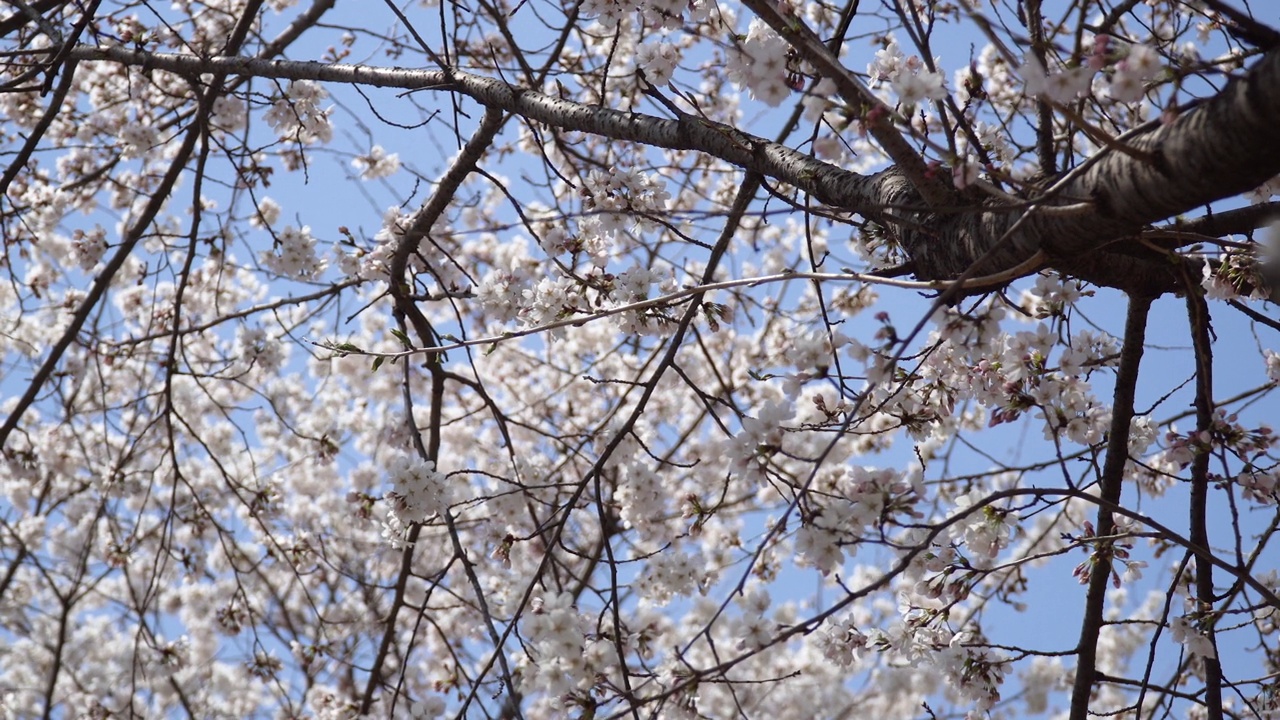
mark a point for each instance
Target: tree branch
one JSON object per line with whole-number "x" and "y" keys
{"x": 1135, "y": 330}
{"x": 829, "y": 184}
{"x": 1241, "y": 221}
{"x": 1218, "y": 149}
{"x": 1198, "y": 318}
{"x": 878, "y": 123}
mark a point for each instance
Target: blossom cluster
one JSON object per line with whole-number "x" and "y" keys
{"x": 297, "y": 115}
{"x": 294, "y": 253}
{"x": 1127, "y": 67}
{"x": 759, "y": 64}
{"x": 564, "y": 657}
{"x": 377, "y": 163}
{"x": 907, "y": 75}
{"x": 420, "y": 494}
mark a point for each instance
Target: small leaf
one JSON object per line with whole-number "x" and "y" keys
{"x": 404, "y": 339}
{"x": 377, "y": 362}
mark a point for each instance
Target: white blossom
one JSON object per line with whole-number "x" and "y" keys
{"x": 378, "y": 163}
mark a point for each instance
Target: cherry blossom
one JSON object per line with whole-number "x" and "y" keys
{"x": 1184, "y": 632}
{"x": 297, "y": 115}
{"x": 377, "y": 164}
{"x": 669, "y": 359}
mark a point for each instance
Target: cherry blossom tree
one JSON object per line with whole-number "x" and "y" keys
{"x": 545, "y": 359}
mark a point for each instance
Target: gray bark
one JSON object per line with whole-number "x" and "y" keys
{"x": 1223, "y": 146}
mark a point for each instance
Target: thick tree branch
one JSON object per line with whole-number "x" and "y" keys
{"x": 1218, "y": 149}
{"x": 31, "y": 13}
{"x": 829, "y": 184}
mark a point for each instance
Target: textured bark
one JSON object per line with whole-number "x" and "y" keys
{"x": 830, "y": 184}
{"x": 1226, "y": 145}
{"x": 1220, "y": 148}
{"x": 1240, "y": 221}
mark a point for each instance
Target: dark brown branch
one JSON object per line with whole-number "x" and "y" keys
{"x": 31, "y": 13}
{"x": 1241, "y": 221}
{"x": 136, "y": 232}
{"x": 1255, "y": 315}
{"x": 742, "y": 201}
{"x": 1135, "y": 330}
{"x": 1244, "y": 27}
{"x": 1044, "y": 111}
{"x": 1198, "y": 318}
{"x": 159, "y": 197}
{"x": 19, "y": 161}
{"x": 408, "y": 314}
